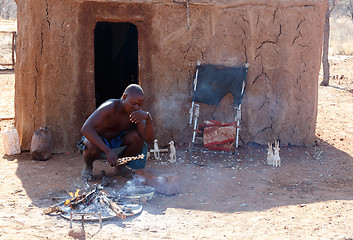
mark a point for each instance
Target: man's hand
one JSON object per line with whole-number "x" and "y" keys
{"x": 138, "y": 115}
{"x": 111, "y": 158}
{"x": 146, "y": 129}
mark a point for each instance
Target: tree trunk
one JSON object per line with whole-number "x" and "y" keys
{"x": 350, "y": 8}
{"x": 325, "y": 63}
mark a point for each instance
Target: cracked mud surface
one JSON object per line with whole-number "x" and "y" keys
{"x": 309, "y": 197}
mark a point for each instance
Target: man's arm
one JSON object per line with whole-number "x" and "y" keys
{"x": 147, "y": 129}
{"x": 144, "y": 124}
{"x": 89, "y": 130}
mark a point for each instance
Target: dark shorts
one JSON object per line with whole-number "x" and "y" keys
{"x": 117, "y": 143}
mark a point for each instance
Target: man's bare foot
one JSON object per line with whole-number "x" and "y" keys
{"x": 123, "y": 171}
{"x": 87, "y": 174}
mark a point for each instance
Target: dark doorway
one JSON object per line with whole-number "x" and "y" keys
{"x": 116, "y": 59}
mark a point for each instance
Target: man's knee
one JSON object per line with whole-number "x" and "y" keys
{"x": 90, "y": 149}
{"x": 133, "y": 138}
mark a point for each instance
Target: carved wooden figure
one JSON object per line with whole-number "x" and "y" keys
{"x": 172, "y": 153}
{"x": 156, "y": 150}
{"x": 269, "y": 154}
{"x": 276, "y": 158}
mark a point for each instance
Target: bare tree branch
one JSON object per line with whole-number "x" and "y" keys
{"x": 332, "y": 6}
{"x": 350, "y": 8}
{"x": 325, "y": 62}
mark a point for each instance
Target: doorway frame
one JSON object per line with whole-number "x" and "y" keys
{"x": 111, "y": 85}
{"x": 89, "y": 14}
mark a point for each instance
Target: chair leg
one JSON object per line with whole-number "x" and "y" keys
{"x": 189, "y": 153}
{"x": 237, "y": 119}
{"x": 235, "y": 156}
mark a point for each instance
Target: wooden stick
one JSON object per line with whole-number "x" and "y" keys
{"x": 50, "y": 210}
{"x": 83, "y": 198}
{"x": 114, "y": 207}
{"x": 124, "y": 160}
{"x": 74, "y": 202}
{"x": 160, "y": 150}
{"x": 53, "y": 208}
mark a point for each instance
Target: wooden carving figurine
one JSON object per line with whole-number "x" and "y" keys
{"x": 276, "y": 158}
{"x": 156, "y": 150}
{"x": 172, "y": 152}
{"x": 269, "y": 154}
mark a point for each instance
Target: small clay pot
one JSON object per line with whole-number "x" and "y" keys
{"x": 42, "y": 144}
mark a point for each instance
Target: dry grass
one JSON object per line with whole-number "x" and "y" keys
{"x": 5, "y": 48}
{"x": 341, "y": 35}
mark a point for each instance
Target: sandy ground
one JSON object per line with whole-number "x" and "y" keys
{"x": 309, "y": 197}
{"x": 6, "y": 29}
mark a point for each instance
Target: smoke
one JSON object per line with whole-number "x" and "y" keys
{"x": 170, "y": 109}
{"x": 136, "y": 186}
{"x": 132, "y": 185}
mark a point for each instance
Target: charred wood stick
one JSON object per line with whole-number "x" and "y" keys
{"x": 74, "y": 202}
{"x": 50, "y": 210}
{"x": 54, "y": 208}
{"x": 83, "y": 198}
{"x": 77, "y": 201}
{"x": 114, "y": 207}
{"x": 89, "y": 197}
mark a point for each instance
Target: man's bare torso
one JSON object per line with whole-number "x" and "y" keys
{"x": 116, "y": 122}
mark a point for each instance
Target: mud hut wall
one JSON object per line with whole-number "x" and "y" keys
{"x": 284, "y": 71}
{"x": 55, "y": 70}
{"x": 47, "y": 91}
{"x": 210, "y": 39}
{"x": 282, "y": 43}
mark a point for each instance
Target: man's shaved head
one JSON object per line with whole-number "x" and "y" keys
{"x": 133, "y": 89}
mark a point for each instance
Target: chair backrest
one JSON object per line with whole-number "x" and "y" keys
{"x": 215, "y": 81}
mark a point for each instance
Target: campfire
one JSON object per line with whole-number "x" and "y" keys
{"x": 97, "y": 204}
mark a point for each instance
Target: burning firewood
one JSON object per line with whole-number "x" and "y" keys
{"x": 94, "y": 202}
{"x": 53, "y": 209}
{"x": 84, "y": 198}
{"x": 73, "y": 202}
{"x": 114, "y": 207}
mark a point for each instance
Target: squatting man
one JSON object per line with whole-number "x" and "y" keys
{"x": 117, "y": 123}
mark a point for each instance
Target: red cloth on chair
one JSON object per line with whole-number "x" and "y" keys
{"x": 218, "y": 135}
